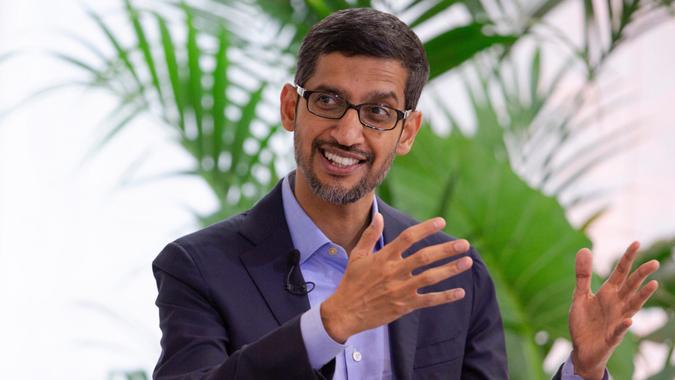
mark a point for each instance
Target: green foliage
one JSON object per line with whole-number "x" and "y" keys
{"x": 128, "y": 375}
{"x": 466, "y": 41}
{"x": 531, "y": 261}
{"x": 608, "y": 25}
{"x": 664, "y": 252}
{"x": 445, "y": 51}
{"x": 486, "y": 203}
{"x": 665, "y": 335}
{"x": 664, "y": 299}
{"x": 168, "y": 78}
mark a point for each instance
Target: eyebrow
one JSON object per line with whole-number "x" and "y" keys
{"x": 375, "y": 95}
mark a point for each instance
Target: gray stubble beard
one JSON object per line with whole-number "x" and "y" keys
{"x": 339, "y": 195}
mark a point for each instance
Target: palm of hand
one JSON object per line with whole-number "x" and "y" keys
{"x": 597, "y": 324}
{"x": 599, "y": 321}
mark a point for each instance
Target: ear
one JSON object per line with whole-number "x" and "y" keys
{"x": 410, "y": 128}
{"x": 288, "y": 100}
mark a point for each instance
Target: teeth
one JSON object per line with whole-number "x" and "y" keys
{"x": 339, "y": 160}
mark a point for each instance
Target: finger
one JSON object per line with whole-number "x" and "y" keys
{"x": 638, "y": 299}
{"x": 620, "y": 331}
{"x": 439, "y": 298}
{"x": 584, "y": 269}
{"x": 412, "y": 235}
{"x": 369, "y": 238}
{"x": 430, "y": 255}
{"x": 440, "y": 273}
{"x": 619, "y": 274}
{"x": 636, "y": 278}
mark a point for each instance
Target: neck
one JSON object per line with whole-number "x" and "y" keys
{"x": 342, "y": 224}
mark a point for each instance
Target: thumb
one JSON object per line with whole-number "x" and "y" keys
{"x": 369, "y": 238}
{"x": 584, "y": 270}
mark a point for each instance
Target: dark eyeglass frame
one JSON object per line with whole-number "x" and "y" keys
{"x": 400, "y": 115}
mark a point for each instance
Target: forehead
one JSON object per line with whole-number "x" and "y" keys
{"x": 358, "y": 77}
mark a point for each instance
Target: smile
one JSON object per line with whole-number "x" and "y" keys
{"x": 339, "y": 160}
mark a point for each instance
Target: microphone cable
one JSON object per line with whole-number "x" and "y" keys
{"x": 297, "y": 289}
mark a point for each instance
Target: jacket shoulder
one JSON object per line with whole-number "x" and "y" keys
{"x": 222, "y": 234}
{"x": 221, "y": 239}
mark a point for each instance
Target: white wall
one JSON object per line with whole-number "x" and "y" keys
{"x": 76, "y": 244}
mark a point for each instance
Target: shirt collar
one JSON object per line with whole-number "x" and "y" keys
{"x": 307, "y": 237}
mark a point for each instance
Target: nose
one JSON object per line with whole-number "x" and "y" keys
{"x": 348, "y": 130}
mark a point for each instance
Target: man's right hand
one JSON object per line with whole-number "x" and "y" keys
{"x": 379, "y": 288}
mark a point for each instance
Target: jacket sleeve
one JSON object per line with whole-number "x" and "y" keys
{"x": 195, "y": 339}
{"x": 485, "y": 351}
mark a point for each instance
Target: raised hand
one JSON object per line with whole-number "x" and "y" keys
{"x": 598, "y": 322}
{"x": 379, "y": 288}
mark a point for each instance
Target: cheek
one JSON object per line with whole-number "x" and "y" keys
{"x": 304, "y": 136}
{"x": 383, "y": 149}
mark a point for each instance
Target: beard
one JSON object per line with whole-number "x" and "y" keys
{"x": 336, "y": 194}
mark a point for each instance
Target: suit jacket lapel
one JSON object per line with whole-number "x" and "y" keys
{"x": 267, "y": 262}
{"x": 403, "y": 331}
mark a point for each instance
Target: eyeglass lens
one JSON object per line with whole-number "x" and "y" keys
{"x": 334, "y": 107}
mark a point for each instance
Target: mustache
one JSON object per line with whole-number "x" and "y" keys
{"x": 322, "y": 144}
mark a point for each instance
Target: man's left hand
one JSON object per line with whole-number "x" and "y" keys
{"x": 598, "y": 322}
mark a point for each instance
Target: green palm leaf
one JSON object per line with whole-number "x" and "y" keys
{"x": 531, "y": 261}
{"x": 169, "y": 81}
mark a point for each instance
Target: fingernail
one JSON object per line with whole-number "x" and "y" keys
{"x": 439, "y": 223}
{"x": 464, "y": 263}
{"x": 461, "y": 245}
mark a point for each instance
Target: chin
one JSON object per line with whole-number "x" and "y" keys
{"x": 334, "y": 190}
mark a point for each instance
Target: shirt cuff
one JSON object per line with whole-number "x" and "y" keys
{"x": 321, "y": 348}
{"x": 568, "y": 371}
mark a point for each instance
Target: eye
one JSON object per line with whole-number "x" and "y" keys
{"x": 378, "y": 112}
{"x": 325, "y": 100}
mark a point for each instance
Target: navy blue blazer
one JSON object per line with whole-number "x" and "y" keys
{"x": 225, "y": 314}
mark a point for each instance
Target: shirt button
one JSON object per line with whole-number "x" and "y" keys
{"x": 332, "y": 251}
{"x": 357, "y": 356}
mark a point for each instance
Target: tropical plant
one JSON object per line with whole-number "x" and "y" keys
{"x": 186, "y": 84}
{"x": 478, "y": 181}
{"x": 664, "y": 298}
{"x": 484, "y": 201}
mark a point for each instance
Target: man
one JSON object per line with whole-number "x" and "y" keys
{"x": 323, "y": 280}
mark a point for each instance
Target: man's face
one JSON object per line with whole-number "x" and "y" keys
{"x": 341, "y": 160}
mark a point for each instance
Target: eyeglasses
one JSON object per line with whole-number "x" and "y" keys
{"x": 332, "y": 106}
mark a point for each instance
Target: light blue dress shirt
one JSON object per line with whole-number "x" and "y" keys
{"x": 365, "y": 355}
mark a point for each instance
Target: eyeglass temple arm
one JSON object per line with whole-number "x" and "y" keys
{"x": 298, "y": 89}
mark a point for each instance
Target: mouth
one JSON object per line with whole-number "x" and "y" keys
{"x": 339, "y": 162}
